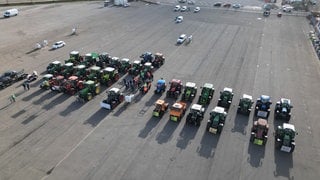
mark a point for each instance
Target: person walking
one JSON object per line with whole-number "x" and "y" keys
{"x": 12, "y": 98}
{"x": 28, "y": 86}
{"x": 24, "y": 86}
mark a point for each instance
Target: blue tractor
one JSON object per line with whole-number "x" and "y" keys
{"x": 263, "y": 106}
{"x": 161, "y": 86}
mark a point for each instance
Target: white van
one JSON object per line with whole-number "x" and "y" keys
{"x": 10, "y": 12}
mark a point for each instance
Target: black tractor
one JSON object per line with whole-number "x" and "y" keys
{"x": 263, "y": 106}
{"x": 284, "y": 138}
{"x": 196, "y": 114}
{"x": 245, "y": 104}
{"x": 225, "y": 98}
{"x": 115, "y": 97}
{"x": 283, "y": 109}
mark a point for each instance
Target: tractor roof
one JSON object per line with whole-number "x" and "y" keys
{"x": 285, "y": 101}
{"x": 73, "y": 78}
{"x": 177, "y": 105}
{"x": 262, "y": 122}
{"x": 88, "y": 55}
{"x": 208, "y": 85}
{"x": 246, "y": 96}
{"x": 161, "y": 81}
{"x": 109, "y": 69}
{"x": 218, "y": 109}
{"x": 125, "y": 60}
{"x": 105, "y": 54}
{"x": 197, "y": 107}
{"x": 137, "y": 62}
{"x": 160, "y": 101}
{"x": 148, "y": 64}
{"x": 227, "y": 89}
{"x": 265, "y": 97}
{"x": 48, "y": 76}
{"x": 69, "y": 64}
{"x": 116, "y": 90}
{"x": 176, "y": 81}
{"x": 191, "y": 84}
{"x": 288, "y": 126}
{"x": 60, "y": 77}
{"x": 115, "y": 58}
{"x": 56, "y": 62}
{"x": 95, "y": 68}
{"x": 74, "y": 52}
{"x": 89, "y": 82}
{"x": 159, "y": 54}
{"x": 81, "y": 66}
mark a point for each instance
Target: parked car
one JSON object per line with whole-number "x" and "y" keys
{"x": 226, "y": 5}
{"x": 191, "y": 2}
{"x": 236, "y": 6}
{"x": 217, "y": 4}
{"x": 181, "y": 38}
{"x": 177, "y": 8}
{"x": 179, "y": 19}
{"x": 183, "y": 8}
{"x": 196, "y": 9}
{"x": 287, "y": 8}
{"x": 182, "y": 1}
{"x": 58, "y": 44}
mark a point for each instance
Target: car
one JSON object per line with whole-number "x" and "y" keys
{"x": 217, "y": 4}
{"x": 236, "y": 6}
{"x": 58, "y": 44}
{"x": 181, "y": 38}
{"x": 179, "y": 19}
{"x": 183, "y": 8}
{"x": 182, "y": 1}
{"x": 287, "y": 8}
{"x": 226, "y": 5}
{"x": 191, "y": 2}
{"x": 196, "y": 9}
{"x": 177, "y": 8}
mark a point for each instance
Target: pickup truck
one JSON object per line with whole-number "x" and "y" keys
{"x": 10, "y": 77}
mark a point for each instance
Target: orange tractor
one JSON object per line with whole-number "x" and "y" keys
{"x": 72, "y": 85}
{"x": 177, "y": 111}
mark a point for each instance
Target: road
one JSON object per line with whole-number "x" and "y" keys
{"x": 46, "y": 135}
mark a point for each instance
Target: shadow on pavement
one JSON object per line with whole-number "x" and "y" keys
{"x": 151, "y": 124}
{"x": 240, "y": 124}
{"x": 34, "y": 94}
{"x": 29, "y": 119}
{"x": 208, "y": 145}
{"x": 256, "y": 154}
{"x": 33, "y": 50}
{"x": 61, "y": 98}
{"x": 283, "y": 163}
{"x": 186, "y": 135}
{"x": 75, "y": 105}
{"x": 45, "y": 97}
{"x": 167, "y": 131}
{"x": 97, "y": 117}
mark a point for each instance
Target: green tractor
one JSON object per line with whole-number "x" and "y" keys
{"x": 81, "y": 71}
{"x": 54, "y": 67}
{"x": 68, "y": 70}
{"x": 95, "y": 73}
{"x": 90, "y": 90}
{"x": 217, "y": 120}
{"x": 90, "y": 59}
{"x": 125, "y": 65}
{"x": 45, "y": 84}
{"x": 115, "y": 63}
{"x": 245, "y": 104}
{"x": 284, "y": 138}
{"x": 190, "y": 92}
{"x": 225, "y": 98}
{"x": 136, "y": 68}
{"x": 109, "y": 76}
{"x": 74, "y": 58}
{"x": 206, "y": 94}
{"x": 104, "y": 60}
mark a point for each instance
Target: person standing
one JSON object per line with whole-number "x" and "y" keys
{"x": 24, "y": 86}
{"x": 13, "y": 98}
{"x": 28, "y": 86}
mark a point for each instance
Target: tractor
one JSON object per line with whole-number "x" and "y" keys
{"x": 196, "y": 114}
{"x": 115, "y": 97}
{"x": 284, "y": 137}
{"x": 74, "y": 58}
{"x": 217, "y": 120}
{"x": 72, "y": 85}
{"x": 147, "y": 57}
{"x": 161, "y": 86}
{"x": 159, "y": 60}
{"x": 245, "y": 104}
{"x": 109, "y": 76}
{"x": 136, "y": 68}
{"x": 190, "y": 92}
{"x": 283, "y": 109}
{"x": 146, "y": 85}
{"x": 90, "y": 90}
{"x": 125, "y": 65}
{"x": 263, "y": 106}
{"x": 45, "y": 84}
{"x": 104, "y": 60}
{"x": 175, "y": 88}
{"x": 54, "y": 68}
{"x": 160, "y": 109}
{"x": 115, "y": 63}
{"x": 259, "y": 132}
{"x": 80, "y": 71}
{"x": 206, "y": 94}
{"x": 95, "y": 74}
{"x": 177, "y": 111}
{"x": 56, "y": 83}
{"x": 225, "y": 98}
{"x": 67, "y": 70}
{"x": 147, "y": 67}
{"x": 89, "y": 59}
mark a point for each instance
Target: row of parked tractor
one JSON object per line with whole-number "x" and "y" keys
{"x": 84, "y": 74}
{"x": 284, "y": 135}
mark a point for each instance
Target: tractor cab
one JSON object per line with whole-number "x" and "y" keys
{"x": 147, "y": 57}
{"x": 115, "y": 62}
{"x": 90, "y": 90}
{"x": 159, "y": 60}
{"x": 67, "y": 69}
{"x": 72, "y": 85}
{"x": 109, "y": 75}
{"x": 217, "y": 119}
{"x": 147, "y": 67}
{"x": 114, "y": 98}
{"x": 160, "y": 107}
{"x": 177, "y": 111}
{"x": 56, "y": 83}
{"x": 81, "y": 71}
{"x": 105, "y": 57}
{"x": 136, "y": 68}
{"x": 259, "y": 132}
{"x": 125, "y": 65}
{"x": 285, "y": 136}
{"x": 263, "y": 106}
{"x": 245, "y": 104}
{"x": 90, "y": 59}
{"x": 46, "y": 81}
{"x": 175, "y": 88}
{"x": 54, "y": 67}
{"x": 95, "y": 73}
{"x": 196, "y": 114}
{"x": 161, "y": 86}
{"x": 74, "y": 58}
{"x": 226, "y": 97}
{"x": 190, "y": 91}
{"x": 206, "y": 94}
{"x": 283, "y": 109}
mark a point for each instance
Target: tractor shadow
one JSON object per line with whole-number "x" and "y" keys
{"x": 256, "y": 154}
{"x": 61, "y": 98}
{"x": 45, "y": 97}
{"x": 75, "y": 105}
{"x": 34, "y": 94}
{"x": 29, "y": 119}
{"x": 33, "y": 50}
{"x": 166, "y": 134}
{"x": 284, "y": 162}
{"x": 240, "y": 123}
{"x": 36, "y": 83}
{"x": 97, "y": 117}
{"x": 187, "y": 133}
{"x": 151, "y": 124}
{"x": 208, "y": 145}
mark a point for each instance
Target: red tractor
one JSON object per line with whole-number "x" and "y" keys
{"x": 72, "y": 85}
{"x": 175, "y": 88}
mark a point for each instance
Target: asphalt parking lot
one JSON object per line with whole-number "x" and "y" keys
{"x": 45, "y": 135}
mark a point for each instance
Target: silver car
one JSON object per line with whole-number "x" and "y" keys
{"x": 181, "y": 38}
